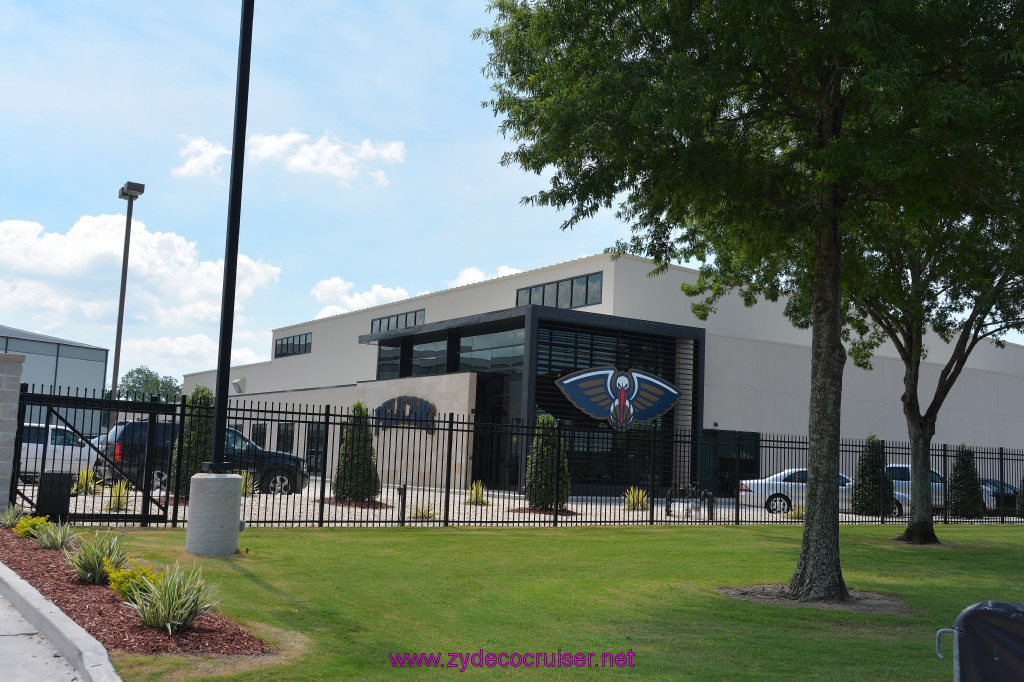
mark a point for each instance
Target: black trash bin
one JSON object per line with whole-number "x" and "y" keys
{"x": 55, "y": 495}
{"x": 988, "y": 642}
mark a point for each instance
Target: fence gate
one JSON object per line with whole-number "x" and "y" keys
{"x": 87, "y": 459}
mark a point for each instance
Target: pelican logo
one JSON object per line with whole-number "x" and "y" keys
{"x": 620, "y": 397}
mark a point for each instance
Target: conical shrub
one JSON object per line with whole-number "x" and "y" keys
{"x": 197, "y": 437}
{"x": 964, "y": 498}
{"x": 872, "y": 487}
{"x": 547, "y": 454}
{"x": 356, "y": 478}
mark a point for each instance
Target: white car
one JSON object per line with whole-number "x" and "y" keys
{"x": 56, "y": 449}
{"x": 779, "y": 493}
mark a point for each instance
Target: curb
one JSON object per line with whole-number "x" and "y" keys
{"x": 86, "y": 655}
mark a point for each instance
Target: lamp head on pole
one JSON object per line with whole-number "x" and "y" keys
{"x": 131, "y": 190}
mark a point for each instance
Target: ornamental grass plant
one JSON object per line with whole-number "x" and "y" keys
{"x": 93, "y": 559}
{"x": 174, "y": 601}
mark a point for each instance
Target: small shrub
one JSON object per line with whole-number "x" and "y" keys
{"x": 30, "y": 526}
{"x": 94, "y": 559}
{"x": 871, "y": 485}
{"x": 129, "y": 579}
{"x": 635, "y": 499}
{"x": 964, "y": 498}
{"x": 356, "y": 477}
{"x": 423, "y": 512}
{"x": 546, "y": 456}
{"x": 86, "y": 483}
{"x": 795, "y": 514}
{"x": 175, "y": 601}
{"x": 54, "y": 536}
{"x": 9, "y": 517}
{"x": 478, "y": 495}
{"x": 250, "y": 484}
{"x": 118, "y": 497}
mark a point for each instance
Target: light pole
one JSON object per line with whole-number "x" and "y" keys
{"x": 131, "y": 191}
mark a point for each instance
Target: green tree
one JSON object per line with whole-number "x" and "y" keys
{"x": 963, "y": 496}
{"x": 546, "y": 456}
{"x": 760, "y": 139}
{"x": 872, "y": 487}
{"x": 960, "y": 278}
{"x": 356, "y": 477}
{"x": 142, "y": 382}
{"x": 197, "y": 439}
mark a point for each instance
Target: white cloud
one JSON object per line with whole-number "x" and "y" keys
{"x": 201, "y": 157}
{"x": 341, "y": 299}
{"x": 472, "y": 275}
{"x": 67, "y": 284}
{"x": 176, "y": 356}
{"x": 328, "y": 155}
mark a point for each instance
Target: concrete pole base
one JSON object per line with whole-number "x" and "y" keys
{"x": 214, "y": 514}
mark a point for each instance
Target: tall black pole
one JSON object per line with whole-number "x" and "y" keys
{"x": 120, "y": 303}
{"x": 227, "y": 305}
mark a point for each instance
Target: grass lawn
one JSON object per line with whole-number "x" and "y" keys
{"x": 337, "y": 601}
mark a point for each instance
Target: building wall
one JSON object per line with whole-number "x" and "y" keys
{"x": 59, "y": 365}
{"x": 757, "y": 373}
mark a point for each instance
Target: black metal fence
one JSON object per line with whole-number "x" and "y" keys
{"x": 316, "y": 466}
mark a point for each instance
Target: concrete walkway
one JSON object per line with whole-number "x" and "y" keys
{"x": 40, "y": 642}
{"x": 27, "y": 656}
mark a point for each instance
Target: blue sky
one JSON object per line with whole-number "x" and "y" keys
{"x": 372, "y": 171}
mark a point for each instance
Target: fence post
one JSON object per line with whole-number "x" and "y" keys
{"x": 882, "y": 487}
{"x": 945, "y": 484}
{"x": 179, "y": 451}
{"x": 1001, "y": 497}
{"x": 650, "y": 480}
{"x": 148, "y": 464}
{"x": 448, "y": 468}
{"x": 557, "y": 459}
{"x": 323, "y": 464}
{"x": 736, "y": 474}
{"x": 401, "y": 504}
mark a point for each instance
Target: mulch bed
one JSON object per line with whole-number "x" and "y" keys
{"x": 545, "y": 512}
{"x": 353, "y": 504}
{"x": 99, "y": 610}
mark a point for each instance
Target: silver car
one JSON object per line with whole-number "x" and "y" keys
{"x": 780, "y": 492}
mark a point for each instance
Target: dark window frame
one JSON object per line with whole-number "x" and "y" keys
{"x": 578, "y": 291}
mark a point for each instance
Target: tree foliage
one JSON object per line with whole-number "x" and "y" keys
{"x": 963, "y": 497}
{"x": 142, "y": 382}
{"x": 357, "y": 478}
{"x": 545, "y": 461}
{"x": 197, "y": 440}
{"x": 760, "y": 139}
{"x": 872, "y": 493}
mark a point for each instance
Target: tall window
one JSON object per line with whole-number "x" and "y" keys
{"x": 285, "y": 436}
{"x": 575, "y": 292}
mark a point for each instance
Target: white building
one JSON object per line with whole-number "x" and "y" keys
{"x": 501, "y": 343}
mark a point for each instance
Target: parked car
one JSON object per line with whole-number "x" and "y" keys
{"x": 277, "y": 472}
{"x": 780, "y": 492}
{"x": 124, "y": 450}
{"x": 900, "y": 475}
{"x": 63, "y": 451}
{"x": 999, "y": 496}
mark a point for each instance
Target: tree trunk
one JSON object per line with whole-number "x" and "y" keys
{"x": 818, "y": 575}
{"x": 920, "y": 526}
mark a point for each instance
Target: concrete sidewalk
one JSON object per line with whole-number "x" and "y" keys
{"x": 27, "y": 656}
{"x": 39, "y": 642}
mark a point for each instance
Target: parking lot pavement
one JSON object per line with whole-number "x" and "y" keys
{"x": 27, "y": 656}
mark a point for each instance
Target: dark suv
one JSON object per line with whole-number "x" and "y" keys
{"x": 125, "y": 453}
{"x": 276, "y": 472}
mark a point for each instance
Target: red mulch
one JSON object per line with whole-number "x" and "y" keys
{"x": 99, "y": 610}
{"x": 545, "y": 512}
{"x": 357, "y": 504}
